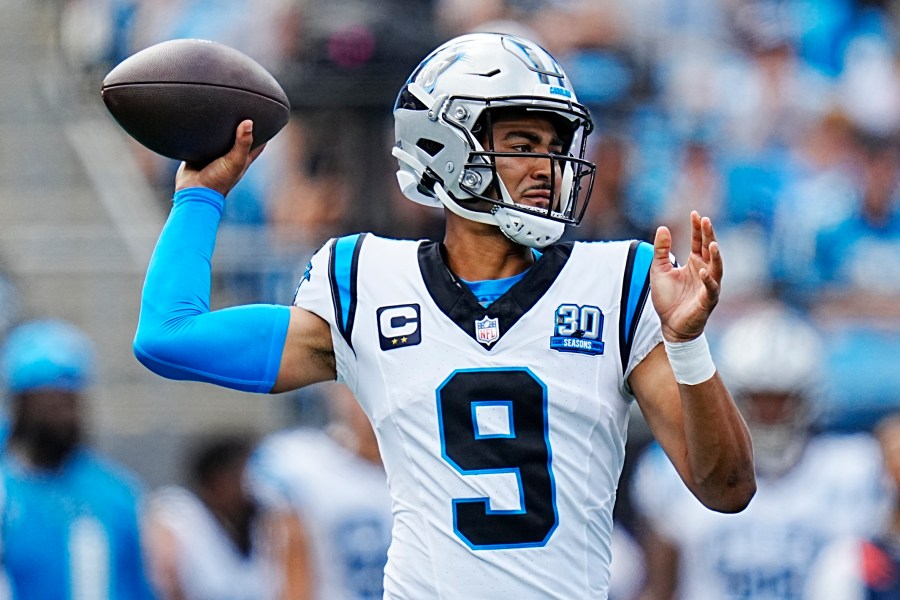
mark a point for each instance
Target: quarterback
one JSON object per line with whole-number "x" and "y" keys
{"x": 496, "y": 367}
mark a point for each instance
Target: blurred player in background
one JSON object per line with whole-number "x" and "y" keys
{"x": 212, "y": 541}
{"x": 335, "y": 481}
{"x": 856, "y": 568}
{"x": 497, "y": 368}
{"x": 69, "y": 518}
{"x": 811, "y": 488}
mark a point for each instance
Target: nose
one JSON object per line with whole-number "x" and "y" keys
{"x": 546, "y": 169}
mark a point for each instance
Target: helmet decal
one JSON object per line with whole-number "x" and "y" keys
{"x": 427, "y": 78}
{"x": 533, "y": 61}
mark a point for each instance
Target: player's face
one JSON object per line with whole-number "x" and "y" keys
{"x": 770, "y": 408}
{"x": 51, "y": 421}
{"x": 529, "y": 179}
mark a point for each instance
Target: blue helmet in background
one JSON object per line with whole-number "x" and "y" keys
{"x": 48, "y": 354}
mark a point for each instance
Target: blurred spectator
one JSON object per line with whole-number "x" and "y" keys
{"x": 869, "y": 86}
{"x": 854, "y": 282}
{"x": 818, "y": 192}
{"x": 94, "y": 35}
{"x": 607, "y": 216}
{"x": 262, "y": 29}
{"x": 212, "y": 541}
{"x": 769, "y": 95}
{"x": 560, "y": 27}
{"x": 856, "y": 295}
{"x": 341, "y": 80}
{"x": 866, "y": 569}
{"x": 70, "y": 523}
{"x": 335, "y": 481}
{"x": 697, "y": 186}
{"x": 811, "y": 488}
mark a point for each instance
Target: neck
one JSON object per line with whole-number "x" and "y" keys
{"x": 478, "y": 252}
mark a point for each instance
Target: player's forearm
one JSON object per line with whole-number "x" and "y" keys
{"x": 719, "y": 450}
{"x": 177, "y": 335}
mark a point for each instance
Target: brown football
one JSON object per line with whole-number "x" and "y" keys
{"x": 184, "y": 98}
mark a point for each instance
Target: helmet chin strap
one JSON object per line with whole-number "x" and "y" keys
{"x": 522, "y": 228}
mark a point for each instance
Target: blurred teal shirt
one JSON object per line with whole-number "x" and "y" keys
{"x": 73, "y": 533}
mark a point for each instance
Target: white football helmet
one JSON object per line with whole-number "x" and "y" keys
{"x": 443, "y": 114}
{"x": 771, "y": 361}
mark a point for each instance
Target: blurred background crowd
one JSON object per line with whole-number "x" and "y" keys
{"x": 780, "y": 119}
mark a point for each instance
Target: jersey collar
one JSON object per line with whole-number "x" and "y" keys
{"x": 456, "y": 301}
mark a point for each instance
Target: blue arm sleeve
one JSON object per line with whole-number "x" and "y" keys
{"x": 177, "y": 335}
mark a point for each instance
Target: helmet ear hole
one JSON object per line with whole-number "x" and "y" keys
{"x": 406, "y": 100}
{"x": 431, "y": 147}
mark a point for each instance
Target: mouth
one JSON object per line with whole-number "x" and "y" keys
{"x": 539, "y": 199}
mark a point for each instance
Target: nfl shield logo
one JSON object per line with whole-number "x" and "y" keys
{"x": 487, "y": 331}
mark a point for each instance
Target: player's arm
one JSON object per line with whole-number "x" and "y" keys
{"x": 163, "y": 554}
{"x": 290, "y": 544}
{"x": 257, "y": 348}
{"x": 697, "y": 423}
{"x": 662, "y": 557}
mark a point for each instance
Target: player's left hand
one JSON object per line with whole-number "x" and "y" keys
{"x": 685, "y": 296}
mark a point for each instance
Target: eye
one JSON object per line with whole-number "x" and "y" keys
{"x": 523, "y": 148}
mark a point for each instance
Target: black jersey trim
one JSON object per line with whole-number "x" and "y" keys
{"x": 456, "y": 301}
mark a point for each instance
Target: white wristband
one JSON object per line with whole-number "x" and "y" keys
{"x": 691, "y": 361}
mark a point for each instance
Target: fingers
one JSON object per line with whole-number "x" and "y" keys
{"x": 239, "y": 155}
{"x": 662, "y": 248}
{"x": 711, "y": 284}
{"x": 696, "y": 233}
{"x": 702, "y": 235}
{"x": 711, "y": 274}
{"x": 708, "y": 237}
{"x": 716, "y": 265}
{"x": 243, "y": 138}
{"x": 223, "y": 173}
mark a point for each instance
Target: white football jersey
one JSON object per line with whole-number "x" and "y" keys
{"x": 210, "y": 567}
{"x": 765, "y": 552}
{"x": 343, "y": 501}
{"x": 502, "y": 429}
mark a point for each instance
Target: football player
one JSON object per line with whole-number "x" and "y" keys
{"x": 335, "y": 482}
{"x": 498, "y": 366}
{"x": 811, "y": 488}
{"x": 855, "y": 568}
{"x": 69, "y": 515}
{"x": 212, "y": 539}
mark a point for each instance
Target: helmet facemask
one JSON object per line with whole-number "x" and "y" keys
{"x": 779, "y": 424}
